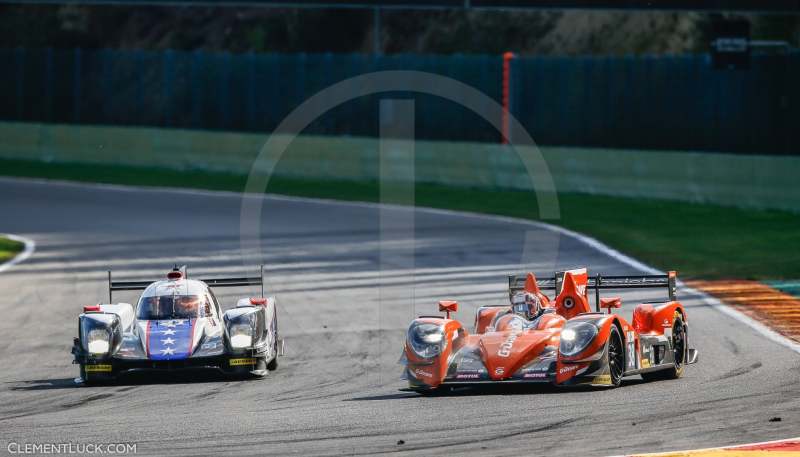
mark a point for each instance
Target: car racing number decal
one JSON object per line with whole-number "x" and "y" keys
{"x": 632, "y": 359}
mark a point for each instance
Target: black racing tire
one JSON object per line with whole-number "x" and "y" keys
{"x": 272, "y": 365}
{"x": 615, "y": 356}
{"x": 679, "y": 345}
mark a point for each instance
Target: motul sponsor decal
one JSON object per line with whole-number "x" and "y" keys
{"x": 535, "y": 375}
{"x": 468, "y": 376}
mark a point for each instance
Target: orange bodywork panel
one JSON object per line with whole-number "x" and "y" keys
{"x": 572, "y": 299}
{"x": 434, "y": 370}
{"x": 531, "y": 286}
{"x": 654, "y": 318}
{"x": 506, "y": 352}
{"x": 485, "y": 317}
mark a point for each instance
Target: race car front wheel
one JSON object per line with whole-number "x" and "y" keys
{"x": 615, "y": 356}
{"x": 678, "y": 353}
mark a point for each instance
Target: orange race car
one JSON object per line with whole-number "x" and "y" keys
{"x": 560, "y": 341}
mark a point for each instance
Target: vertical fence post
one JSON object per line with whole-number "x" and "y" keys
{"x": 105, "y": 83}
{"x": 76, "y": 86}
{"x": 195, "y": 92}
{"x": 507, "y": 58}
{"x": 377, "y": 43}
{"x": 224, "y": 91}
{"x": 138, "y": 59}
{"x": 251, "y": 91}
{"x": 19, "y": 56}
{"x": 48, "y": 85}
{"x": 167, "y": 86}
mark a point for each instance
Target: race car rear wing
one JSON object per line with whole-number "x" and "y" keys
{"x": 516, "y": 283}
{"x": 239, "y": 281}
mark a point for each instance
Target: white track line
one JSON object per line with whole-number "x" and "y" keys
{"x": 30, "y": 246}
{"x": 588, "y": 241}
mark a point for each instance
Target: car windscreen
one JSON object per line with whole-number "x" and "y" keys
{"x": 162, "y": 307}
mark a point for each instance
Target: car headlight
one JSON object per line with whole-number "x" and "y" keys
{"x": 576, "y": 337}
{"x": 241, "y": 335}
{"x": 426, "y": 340}
{"x": 98, "y": 341}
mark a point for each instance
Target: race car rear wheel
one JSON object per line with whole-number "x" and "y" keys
{"x": 678, "y": 353}
{"x": 615, "y": 356}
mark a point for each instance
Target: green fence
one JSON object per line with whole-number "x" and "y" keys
{"x": 666, "y": 102}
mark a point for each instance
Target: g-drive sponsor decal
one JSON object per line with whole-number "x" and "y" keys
{"x": 425, "y": 374}
{"x": 505, "y": 348}
{"x": 567, "y": 369}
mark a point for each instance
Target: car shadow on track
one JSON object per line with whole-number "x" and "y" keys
{"x": 133, "y": 379}
{"x": 493, "y": 389}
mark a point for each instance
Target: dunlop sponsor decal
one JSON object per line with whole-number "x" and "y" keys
{"x": 241, "y": 362}
{"x": 645, "y": 363}
{"x": 98, "y": 368}
{"x": 602, "y": 379}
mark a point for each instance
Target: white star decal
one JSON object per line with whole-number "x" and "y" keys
{"x": 170, "y": 324}
{"x": 167, "y": 351}
{"x": 179, "y": 321}
{"x": 168, "y": 331}
{"x": 168, "y": 341}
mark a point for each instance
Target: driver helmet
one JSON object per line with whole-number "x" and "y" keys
{"x": 526, "y": 304}
{"x": 188, "y": 304}
{"x": 151, "y": 304}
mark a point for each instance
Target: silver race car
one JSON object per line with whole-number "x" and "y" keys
{"x": 178, "y": 324}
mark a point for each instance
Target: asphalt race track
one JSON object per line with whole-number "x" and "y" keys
{"x": 337, "y": 390}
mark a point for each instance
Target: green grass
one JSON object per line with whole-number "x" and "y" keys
{"x": 702, "y": 241}
{"x": 9, "y": 248}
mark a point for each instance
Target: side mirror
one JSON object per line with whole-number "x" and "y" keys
{"x": 448, "y": 306}
{"x": 611, "y": 302}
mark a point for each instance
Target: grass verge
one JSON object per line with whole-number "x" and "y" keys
{"x": 9, "y": 248}
{"x": 702, "y": 241}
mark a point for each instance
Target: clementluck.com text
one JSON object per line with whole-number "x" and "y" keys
{"x": 71, "y": 448}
